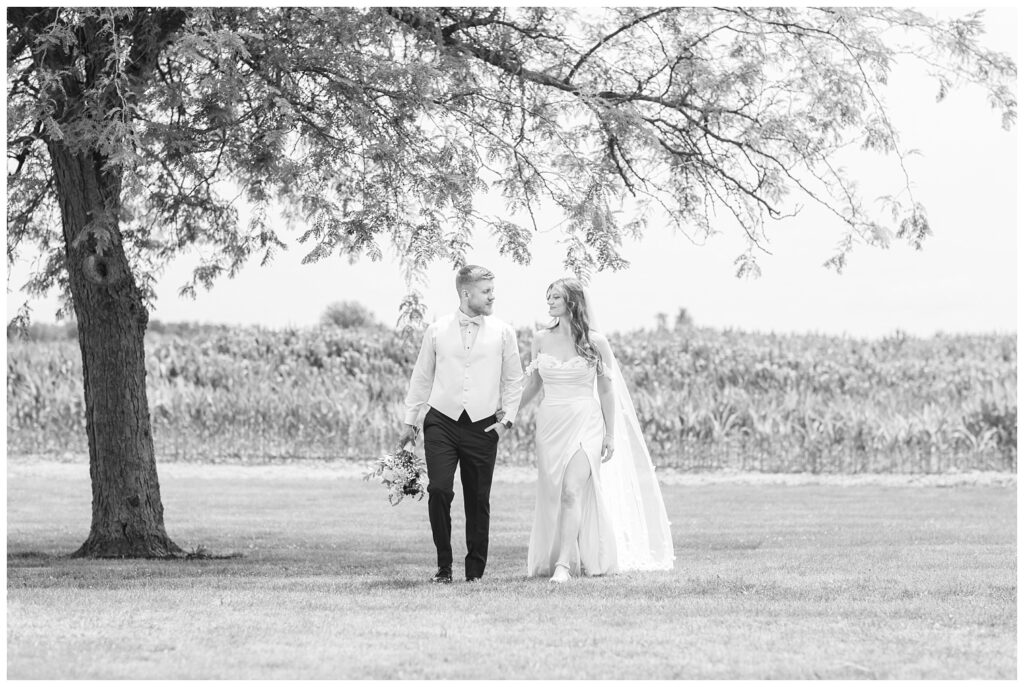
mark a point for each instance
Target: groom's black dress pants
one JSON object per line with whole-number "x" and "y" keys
{"x": 449, "y": 443}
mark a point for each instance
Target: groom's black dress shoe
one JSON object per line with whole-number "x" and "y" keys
{"x": 442, "y": 576}
{"x": 473, "y": 579}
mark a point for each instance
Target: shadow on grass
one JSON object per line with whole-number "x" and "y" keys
{"x": 30, "y": 559}
{"x": 202, "y": 553}
{"x": 397, "y": 583}
{"x": 364, "y": 569}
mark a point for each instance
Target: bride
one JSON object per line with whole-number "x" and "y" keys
{"x": 599, "y": 508}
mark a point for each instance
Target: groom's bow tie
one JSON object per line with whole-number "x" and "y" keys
{"x": 465, "y": 319}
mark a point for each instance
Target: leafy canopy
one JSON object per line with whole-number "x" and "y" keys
{"x": 370, "y": 126}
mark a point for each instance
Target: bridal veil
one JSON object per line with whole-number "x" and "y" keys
{"x": 631, "y": 491}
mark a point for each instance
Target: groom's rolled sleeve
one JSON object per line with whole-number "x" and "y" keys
{"x": 511, "y": 375}
{"x": 422, "y": 380}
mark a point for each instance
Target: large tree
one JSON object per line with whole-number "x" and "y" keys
{"x": 131, "y": 133}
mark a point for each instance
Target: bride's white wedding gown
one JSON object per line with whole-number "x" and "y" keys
{"x": 624, "y": 525}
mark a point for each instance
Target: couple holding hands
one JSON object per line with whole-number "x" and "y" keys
{"x": 599, "y": 508}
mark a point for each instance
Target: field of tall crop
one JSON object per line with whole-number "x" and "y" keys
{"x": 707, "y": 399}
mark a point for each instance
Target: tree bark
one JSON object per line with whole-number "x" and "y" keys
{"x": 127, "y": 512}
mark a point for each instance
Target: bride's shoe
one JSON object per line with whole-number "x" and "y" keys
{"x": 561, "y": 575}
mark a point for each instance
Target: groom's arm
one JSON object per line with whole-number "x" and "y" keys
{"x": 422, "y": 380}
{"x": 511, "y": 375}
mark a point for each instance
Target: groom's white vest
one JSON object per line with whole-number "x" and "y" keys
{"x": 447, "y": 377}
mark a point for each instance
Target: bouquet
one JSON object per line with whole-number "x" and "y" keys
{"x": 403, "y": 473}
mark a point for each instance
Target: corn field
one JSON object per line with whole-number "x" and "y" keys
{"x": 707, "y": 399}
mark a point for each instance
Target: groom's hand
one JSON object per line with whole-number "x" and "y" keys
{"x": 498, "y": 428}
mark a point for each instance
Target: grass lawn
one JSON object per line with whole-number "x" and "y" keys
{"x": 771, "y": 581}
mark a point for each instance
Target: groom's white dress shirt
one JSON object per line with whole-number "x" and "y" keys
{"x": 466, "y": 363}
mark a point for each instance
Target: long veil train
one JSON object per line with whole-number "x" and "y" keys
{"x": 631, "y": 491}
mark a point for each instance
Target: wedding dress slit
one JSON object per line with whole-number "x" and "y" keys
{"x": 569, "y": 423}
{"x": 576, "y": 481}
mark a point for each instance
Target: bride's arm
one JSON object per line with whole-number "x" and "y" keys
{"x": 605, "y": 392}
{"x": 533, "y": 380}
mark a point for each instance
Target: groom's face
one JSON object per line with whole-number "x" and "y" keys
{"x": 480, "y": 300}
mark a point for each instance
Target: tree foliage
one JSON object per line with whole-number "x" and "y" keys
{"x": 376, "y": 126}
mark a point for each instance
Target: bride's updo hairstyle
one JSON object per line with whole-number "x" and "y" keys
{"x": 579, "y": 320}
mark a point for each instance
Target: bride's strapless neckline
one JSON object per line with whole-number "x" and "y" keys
{"x": 560, "y": 362}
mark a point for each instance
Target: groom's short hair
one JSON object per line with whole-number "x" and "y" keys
{"x": 470, "y": 274}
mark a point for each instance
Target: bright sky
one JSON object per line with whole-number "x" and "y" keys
{"x": 965, "y": 279}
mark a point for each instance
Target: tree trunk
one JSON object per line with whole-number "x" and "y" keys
{"x": 127, "y": 513}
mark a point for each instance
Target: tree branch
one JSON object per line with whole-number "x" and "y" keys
{"x": 26, "y": 142}
{"x": 613, "y": 34}
{"x": 472, "y": 21}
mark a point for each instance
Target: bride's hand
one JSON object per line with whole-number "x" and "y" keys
{"x": 607, "y": 448}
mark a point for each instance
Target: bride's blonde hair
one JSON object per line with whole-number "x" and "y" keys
{"x": 579, "y": 319}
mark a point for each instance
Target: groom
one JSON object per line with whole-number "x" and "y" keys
{"x": 467, "y": 371}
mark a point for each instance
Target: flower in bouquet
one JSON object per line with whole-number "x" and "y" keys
{"x": 403, "y": 473}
